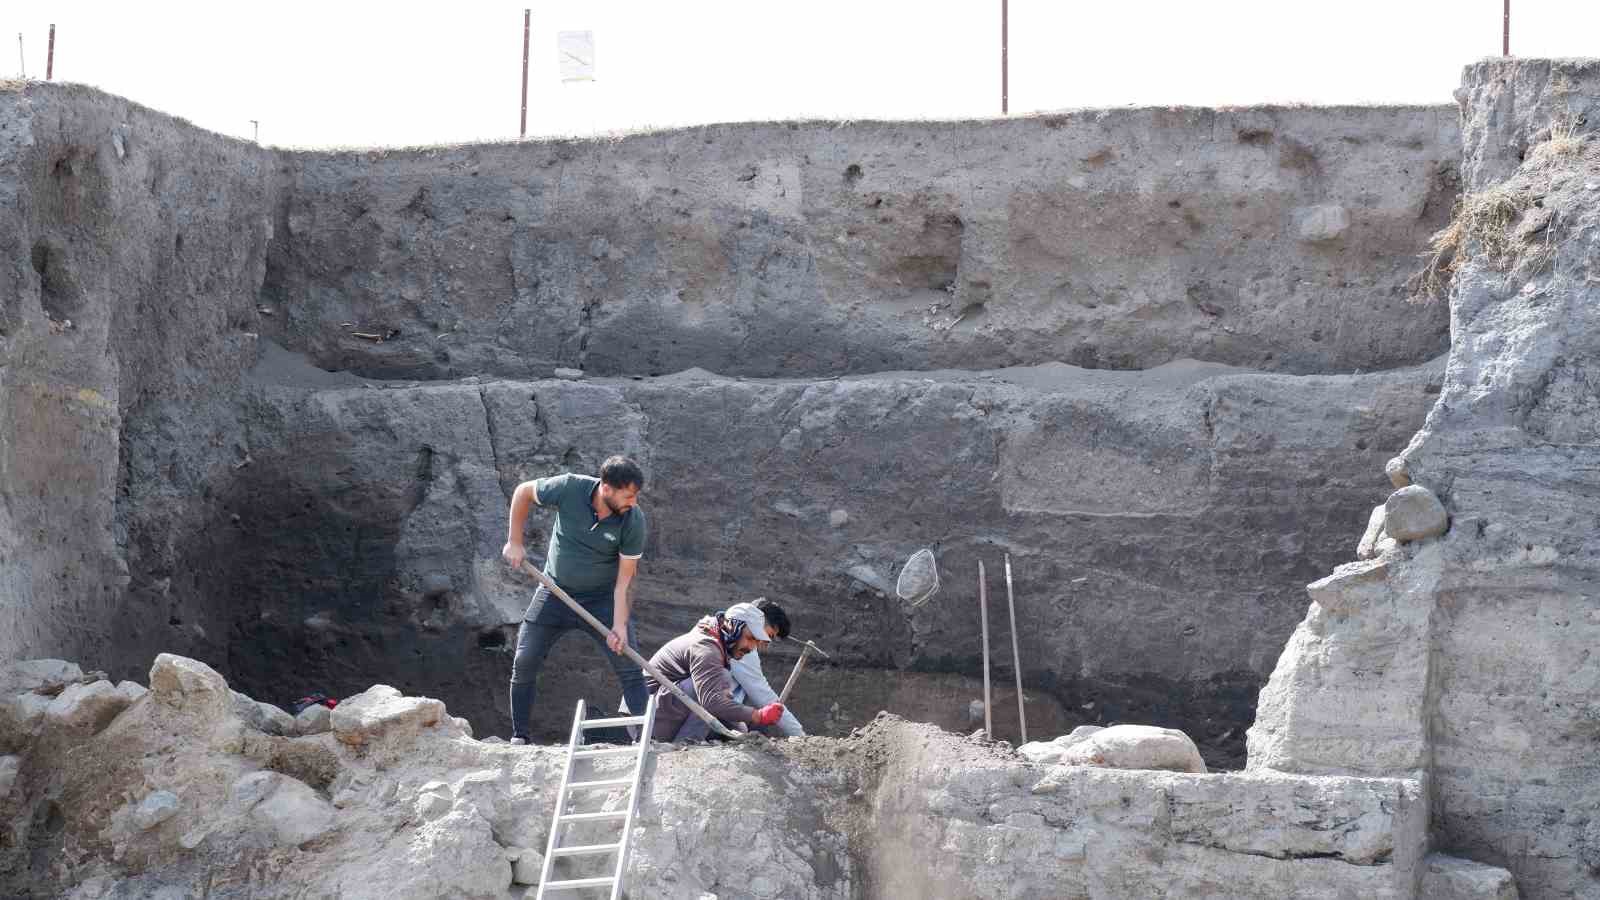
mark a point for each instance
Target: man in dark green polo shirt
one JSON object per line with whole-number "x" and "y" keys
{"x": 596, "y": 541}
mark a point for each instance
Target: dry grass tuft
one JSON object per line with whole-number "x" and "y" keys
{"x": 1566, "y": 142}
{"x": 1487, "y": 219}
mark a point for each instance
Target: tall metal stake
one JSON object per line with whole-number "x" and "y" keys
{"x": 1005, "y": 62}
{"x": 50, "y": 59}
{"x": 983, "y": 610}
{"x": 527, "y": 16}
{"x": 1016, "y": 657}
{"x": 22, "y": 61}
{"x": 1505, "y": 38}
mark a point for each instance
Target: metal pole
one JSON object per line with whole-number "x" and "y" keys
{"x": 1005, "y": 62}
{"x": 1016, "y": 657}
{"x": 255, "y": 134}
{"x": 527, "y": 17}
{"x": 983, "y": 611}
{"x": 22, "y": 61}
{"x": 50, "y": 58}
{"x": 1505, "y": 39}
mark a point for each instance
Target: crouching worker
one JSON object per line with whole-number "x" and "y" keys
{"x": 752, "y": 687}
{"x": 698, "y": 663}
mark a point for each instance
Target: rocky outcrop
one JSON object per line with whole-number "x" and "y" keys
{"x": 181, "y": 794}
{"x": 1466, "y": 655}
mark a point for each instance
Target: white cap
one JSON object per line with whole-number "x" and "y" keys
{"x": 753, "y": 618}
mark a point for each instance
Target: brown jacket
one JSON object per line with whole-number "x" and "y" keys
{"x": 697, "y": 655}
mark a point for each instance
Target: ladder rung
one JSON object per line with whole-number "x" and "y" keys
{"x": 618, "y": 751}
{"x": 609, "y": 782}
{"x": 586, "y": 850}
{"x": 589, "y": 817}
{"x": 578, "y": 883}
{"x": 609, "y": 723}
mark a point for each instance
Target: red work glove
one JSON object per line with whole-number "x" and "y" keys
{"x": 769, "y": 714}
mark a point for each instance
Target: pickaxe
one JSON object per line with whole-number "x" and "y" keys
{"x": 798, "y": 666}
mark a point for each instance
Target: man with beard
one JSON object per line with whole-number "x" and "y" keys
{"x": 596, "y": 542}
{"x": 699, "y": 663}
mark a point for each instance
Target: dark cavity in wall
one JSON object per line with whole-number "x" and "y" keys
{"x": 59, "y": 293}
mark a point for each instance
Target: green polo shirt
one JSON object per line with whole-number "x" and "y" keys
{"x": 585, "y": 549}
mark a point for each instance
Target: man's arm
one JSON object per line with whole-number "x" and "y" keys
{"x": 713, "y": 687}
{"x": 747, "y": 673}
{"x": 524, "y": 496}
{"x": 626, "y": 567}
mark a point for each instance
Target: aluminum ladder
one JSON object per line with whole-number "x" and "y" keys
{"x": 562, "y": 818}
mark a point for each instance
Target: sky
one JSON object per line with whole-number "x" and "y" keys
{"x": 355, "y": 73}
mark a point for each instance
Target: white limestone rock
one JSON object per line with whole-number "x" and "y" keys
{"x": 263, "y": 716}
{"x": 526, "y": 865}
{"x": 1136, "y": 747}
{"x": 288, "y": 810}
{"x": 9, "y": 767}
{"x": 133, "y": 690}
{"x": 1449, "y": 878}
{"x": 1325, "y": 222}
{"x": 155, "y": 808}
{"x": 1351, "y": 586}
{"x": 381, "y": 712}
{"x": 1413, "y": 513}
{"x": 1399, "y": 472}
{"x": 1367, "y": 547}
{"x": 190, "y": 685}
{"x": 23, "y": 714}
{"x": 1050, "y": 752}
{"x": 89, "y": 707}
{"x": 34, "y": 674}
{"x": 314, "y": 719}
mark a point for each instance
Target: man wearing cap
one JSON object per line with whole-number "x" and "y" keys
{"x": 751, "y": 683}
{"x": 596, "y": 541}
{"x": 698, "y": 663}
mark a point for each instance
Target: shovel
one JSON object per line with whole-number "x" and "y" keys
{"x": 700, "y": 711}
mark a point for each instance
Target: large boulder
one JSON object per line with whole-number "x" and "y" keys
{"x": 87, "y": 707}
{"x": 37, "y": 674}
{"x": 191, "y": 685}
{"x": 263, "y": 716}
{"x": 314, "y": 719}
{"x": 290, "y": 811}
{"x": 1137, "y": 747}
{"x": 1050, "y": 752}
{"x": 381, "y": 712}
{"x": 1413, "y": 513}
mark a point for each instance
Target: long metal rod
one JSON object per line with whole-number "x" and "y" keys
{"x": 711, "y": 721}
{"x": 561, "y": 801}
{"x": 527, "y": 15}
{"x": 1505, "y": 35}
{"x": 50, "y": 59}
{"x": 633, "y": 799}
{"x": 1016, "y": 657}
{"x": 1005, "y": 60}
{"x": 22, "y": 61}
{"x": 983, "y": 611}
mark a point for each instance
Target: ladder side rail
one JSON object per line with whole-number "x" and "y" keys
{"x": 561, "y": 802}
{"x": 633, "y": 794}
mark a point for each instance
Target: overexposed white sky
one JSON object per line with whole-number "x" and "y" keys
{"x": 351, "y": 72}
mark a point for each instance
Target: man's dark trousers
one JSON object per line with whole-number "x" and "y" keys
{"x": 545, "y": 622}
